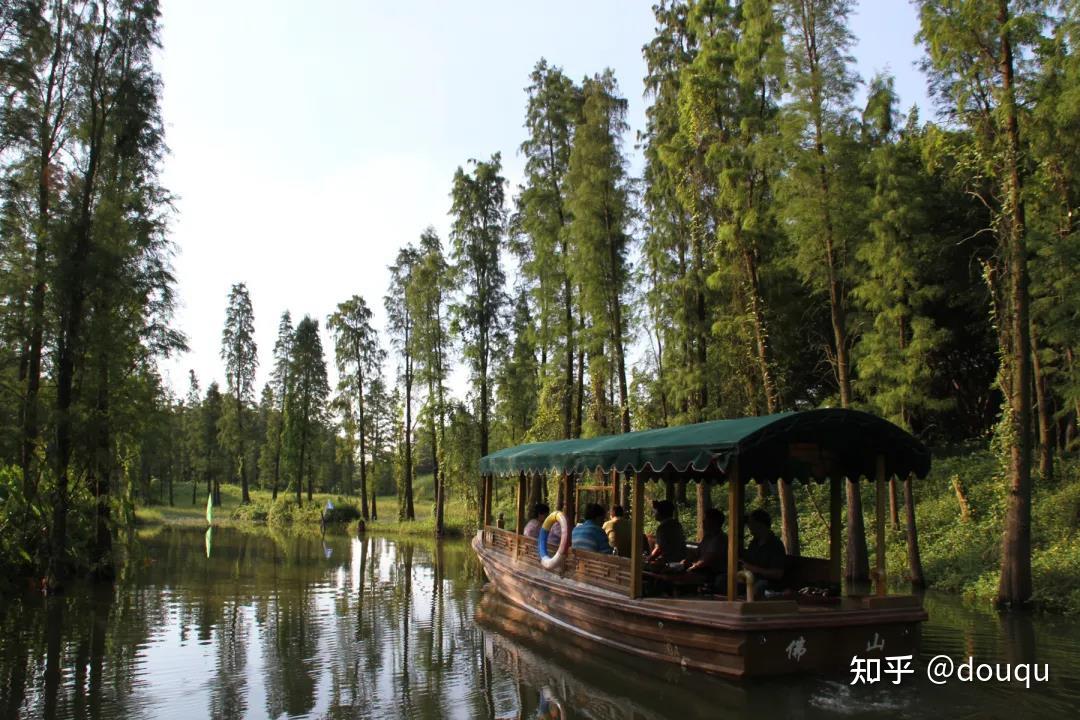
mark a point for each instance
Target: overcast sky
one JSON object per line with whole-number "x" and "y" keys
{"x": 309, "y": 141}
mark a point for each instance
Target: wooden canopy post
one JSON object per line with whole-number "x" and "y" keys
{"x": 879, "y": 525}
{"x": 735, "y": 523}
{"x": 489, "y": 484}
{"x": 835, "y": 536}
{"x": 520, "y": 525}
{"x": 637, "y": 533}
{"x": 614, "y": 489}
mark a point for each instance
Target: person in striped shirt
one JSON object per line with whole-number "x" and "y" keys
{"x": 589, "y": 534}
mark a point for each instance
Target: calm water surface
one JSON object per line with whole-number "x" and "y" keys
{"x": 284, "y": 626}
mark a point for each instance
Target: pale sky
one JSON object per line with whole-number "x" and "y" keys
{"x": 309, "y": 141}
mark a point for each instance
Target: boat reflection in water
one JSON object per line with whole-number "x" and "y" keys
{"x": 562, "y": 675}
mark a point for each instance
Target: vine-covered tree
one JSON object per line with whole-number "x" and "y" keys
{"x": 974, "y": 53}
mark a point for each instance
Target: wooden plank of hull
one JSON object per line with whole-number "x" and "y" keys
{"x": 712, "y": 636}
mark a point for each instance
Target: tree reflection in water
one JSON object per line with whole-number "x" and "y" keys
{"x": 274, "y": 625}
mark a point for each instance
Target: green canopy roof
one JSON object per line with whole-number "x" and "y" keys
{"x": 810, "y": 445}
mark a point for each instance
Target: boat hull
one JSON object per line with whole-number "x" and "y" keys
{"x": 734, "y": 639}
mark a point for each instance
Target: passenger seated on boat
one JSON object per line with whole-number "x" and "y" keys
{"x": 540, "y": 511}
{"x": 619, "y": 531}
{"x": 712, "y": 550}
{"x": 589, "y": 535}
{"x": 764, "y": 556}
{"x": 555, "y": 534}
{"x": 670, "y": 547}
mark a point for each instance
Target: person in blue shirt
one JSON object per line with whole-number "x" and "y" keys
{"x": 589, "y": 534}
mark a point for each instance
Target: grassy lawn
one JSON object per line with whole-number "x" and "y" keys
{"x": 182, "y": 512}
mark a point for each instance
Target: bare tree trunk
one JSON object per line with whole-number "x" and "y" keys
{"x": 568, "y": 395}
{"x": 894, "y": 514}
{"x": 1044, "y": 412}
{"x": 579, "y": 396}
{"x": 914, "y": 559}
{"x": 857, "y": 568}
{"x": 704, "y": 502}
{"x": 101, "y": 556}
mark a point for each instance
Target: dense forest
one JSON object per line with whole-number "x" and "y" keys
{"x": 783, "y": 249}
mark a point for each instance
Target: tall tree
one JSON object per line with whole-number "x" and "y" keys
{"x": 240, "y": 354}
{"x": 518, "y": 379}
{"x": 976, "y": 50}
{"x": 599, "y": 200}
{"x": 1055, "y": 288}
{"x": 38, "y": 117}
{"x": 192, "y": 437}
{"x": 212, "y": 410}
{"x": 281, "y": 382}
{"x": 401, "y": 323}
{"x": 305, "y": 408}
{"x": 554, "y": 105}
{"x": 427, "y": 293}
{"x": 820, "y": 191}
{"x": 358, "y": 355}
{"x": 110, "y": 279}
{"x": 671, "y": 298}
{"x": 477, "y": 232}
{"x": 896, "y": 282}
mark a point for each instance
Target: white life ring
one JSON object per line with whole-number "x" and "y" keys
{"x": 553, "y": 562}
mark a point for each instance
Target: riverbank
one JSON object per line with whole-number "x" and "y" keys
{"x": 284, "y": 512}
{"x": 960, "y": 513}
{"x": 960, "y": 510}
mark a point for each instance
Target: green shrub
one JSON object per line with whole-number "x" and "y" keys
{"x": 254, "y": 512}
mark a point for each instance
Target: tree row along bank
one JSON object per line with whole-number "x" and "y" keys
{"x": 784, "y": 249}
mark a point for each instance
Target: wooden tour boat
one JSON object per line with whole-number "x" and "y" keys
{"x": 603, "y": 598}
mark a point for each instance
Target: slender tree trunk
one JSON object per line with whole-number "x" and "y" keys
{"x": 1044, "y": 412}
{"x": 894, "y": 514}
{"x": 440, "y": 500}
{"x": 48, "y": 128}
{"x": 568, "y": 395}
{"x": 435, "y": 465}
{"x": 1014, "y": 587}
{"x": 579, "y": 396}
{"x": 245, "y": 496}
{"x": 72, "y": 291}
{"x": 617, "y": 339}
{"x": 704, "y": 502}
{"x": 408, "y": 512}
{"x": 701, "y": 325}
{"x": 363, "y": 448}
{"x": 101, "y": 557}
{"x": 300, "y": 469}
{"x": 914, "y": 559}
{"x": 857, "y": 568}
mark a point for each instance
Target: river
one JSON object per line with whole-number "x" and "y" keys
{"x": 301, "y": 626}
